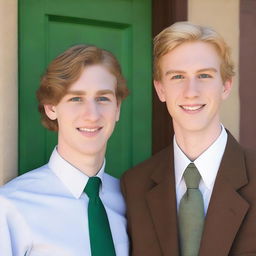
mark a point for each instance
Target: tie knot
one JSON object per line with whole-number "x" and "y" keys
{"x": 192, "y": 176}
{"x": 92, "y": 187}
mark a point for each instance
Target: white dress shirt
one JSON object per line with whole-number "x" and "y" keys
{"x": 44, "y": 212}
{"x": 207, "y": 164}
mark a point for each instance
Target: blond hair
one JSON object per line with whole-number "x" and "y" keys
{"x": 182, "y": 32}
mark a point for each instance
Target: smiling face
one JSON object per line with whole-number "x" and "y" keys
{"x": 86, "y": 115}
{"x": 192, "y": 87}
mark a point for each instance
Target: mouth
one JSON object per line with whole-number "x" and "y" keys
{"x": 192, "y": 108}
{"x": 89, "y": 131}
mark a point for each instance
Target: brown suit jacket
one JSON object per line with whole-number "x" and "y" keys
{"x": 230, "y": 223}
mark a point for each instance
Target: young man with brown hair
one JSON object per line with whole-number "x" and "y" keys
{"x": 197, "y": 196}
{"x": 70, "y": 206}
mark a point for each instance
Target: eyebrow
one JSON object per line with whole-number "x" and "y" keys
{"x": 207, "y": 69}
{"x": 100, "y": 92}
{"x": 170, "y": 72}
{"x": 104, "y": 92}
{"x": 70, "y": 92}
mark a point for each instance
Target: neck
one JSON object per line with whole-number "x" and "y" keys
{"x": 88, "y": 164}
{"x": 194, "y": 143}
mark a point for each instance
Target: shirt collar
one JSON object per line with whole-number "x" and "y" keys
{"x": 74, "y": 180}
{"x": 207, "y": 163}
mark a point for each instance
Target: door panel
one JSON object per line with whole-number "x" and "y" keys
{"x": 47, "y": 28}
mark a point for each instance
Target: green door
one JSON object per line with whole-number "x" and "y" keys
{"x": 48, "y": 27}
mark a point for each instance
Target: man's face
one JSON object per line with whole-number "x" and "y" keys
{"x": 87, "y": 114}
{"x": 192, "y": 87}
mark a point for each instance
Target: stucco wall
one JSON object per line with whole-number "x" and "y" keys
{"x": 222, "y": 15}
{"x": 8, "y": 90}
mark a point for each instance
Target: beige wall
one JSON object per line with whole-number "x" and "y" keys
{"x": 8, "y": 90}
{"x": 222, "y": 15}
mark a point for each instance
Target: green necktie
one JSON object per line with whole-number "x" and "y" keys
{"x": 191, "y": 213}
{"x": 100, "y": 234}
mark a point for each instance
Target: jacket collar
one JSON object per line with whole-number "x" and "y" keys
{"x": 161, "y": 201}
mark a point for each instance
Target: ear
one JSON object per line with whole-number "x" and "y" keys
{"x": 118, "y": 111}
{"x": 227, "y": 86}
{"x": 160, "y": 90}
{"x": 50, "y": 111}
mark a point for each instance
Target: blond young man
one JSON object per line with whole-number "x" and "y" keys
{"x": 45, "y": 212}
{"x": 197, "y": 196}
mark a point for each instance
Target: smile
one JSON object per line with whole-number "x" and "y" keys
{"x": 192, "y": 107}
{"x": 83, "y": 129}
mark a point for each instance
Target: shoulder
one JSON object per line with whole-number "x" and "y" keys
{"x": 247, "y": 155}
{"x": 145, "y": 168}
{"x": 27, "y": 183}
{"x": 250, "y": 163}
{"x": 250, "y": 156}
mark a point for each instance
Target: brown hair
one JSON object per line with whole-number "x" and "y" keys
{"x": 65, "y": 69}
{"x": 182, "y": 32}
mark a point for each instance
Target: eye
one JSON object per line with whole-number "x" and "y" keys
{"x": 177, "y": 77}
{"x": 102, "y": 98}
{"x": 204, "y": 76}
{"x": 76, "y": 99}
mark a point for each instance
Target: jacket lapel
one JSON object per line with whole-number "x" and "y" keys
{"x": 161, "y": 201}
{"x": 227, "y": 208}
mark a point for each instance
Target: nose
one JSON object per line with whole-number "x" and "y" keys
{"x": 90, "y": 111}
{"x": 191, "y": 89}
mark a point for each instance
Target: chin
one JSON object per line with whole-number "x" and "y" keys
{"x": 94, "y": 149}
{"x": 193, "y": 127}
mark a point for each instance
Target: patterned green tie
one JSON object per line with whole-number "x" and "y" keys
{"x": 100, "y": 234}
{"x": 191, "y": 213}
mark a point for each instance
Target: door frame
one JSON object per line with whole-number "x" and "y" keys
{"x": 164, "y": 13}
